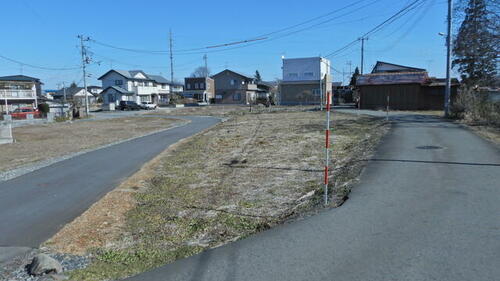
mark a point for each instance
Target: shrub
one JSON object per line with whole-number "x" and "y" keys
{"x": 476, "y": 106}
{"x": 44, "y": 108}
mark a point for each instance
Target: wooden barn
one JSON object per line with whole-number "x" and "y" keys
{"x": 404, "y": 88}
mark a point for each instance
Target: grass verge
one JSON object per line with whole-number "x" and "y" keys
{"x": 41, "y": 142}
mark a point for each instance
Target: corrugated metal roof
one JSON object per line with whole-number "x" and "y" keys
{"x": 158, "y": 79}
{"x": 19, "y": 78}
{"x": 392, "y": 78}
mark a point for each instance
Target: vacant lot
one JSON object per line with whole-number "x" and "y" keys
{"x": 42, "y": 142}
{"x": 243, "y": 176}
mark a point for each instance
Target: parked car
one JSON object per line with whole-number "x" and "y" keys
{"x": 148, "y": 105}
{"x": 22, "y": 112}
{"x": 129, "y": 105}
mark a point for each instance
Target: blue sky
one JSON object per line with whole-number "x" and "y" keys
{"x": 44, "y": 33}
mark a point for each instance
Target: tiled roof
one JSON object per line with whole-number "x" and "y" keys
{"x": 392, "y": 78}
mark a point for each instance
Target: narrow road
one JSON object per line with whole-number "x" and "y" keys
{"x": 427, "y": 208}
{"x": 33, "y": 207}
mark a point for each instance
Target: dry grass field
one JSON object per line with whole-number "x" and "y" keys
{"x": 245, "y": 175}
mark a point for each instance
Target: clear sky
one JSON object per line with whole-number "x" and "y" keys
{"x": 44, "y": 33}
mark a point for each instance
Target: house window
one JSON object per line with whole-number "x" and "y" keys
{"x": 145, "y": 98}
{"x": 188, "y": 86}
{"x": 233, "y": 82}
{"x": 293, "y": 75}
{"x": 196, "y": 85}
{"x": 202, "y": 85}
{"x": 118, "y": 82}
{"x": 316, "y": 92}
{"x": 308, "y": 74}
{"x": 237, "y": 97}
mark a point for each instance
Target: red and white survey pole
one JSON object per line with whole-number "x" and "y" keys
{"x": 327, "y": 144}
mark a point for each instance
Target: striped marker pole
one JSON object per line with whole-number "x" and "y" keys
{"x": 327, "y": 145}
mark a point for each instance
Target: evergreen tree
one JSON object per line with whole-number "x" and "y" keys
{"x": 354, "y": 77}
{"x": 257, "y": 76}
{"x": 476, "y": 45}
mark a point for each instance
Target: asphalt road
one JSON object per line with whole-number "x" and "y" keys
{"x": 427, "y": 208}
{"x": 33, "y": 207}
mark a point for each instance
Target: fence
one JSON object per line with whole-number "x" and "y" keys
{"x": 5, "y": 132}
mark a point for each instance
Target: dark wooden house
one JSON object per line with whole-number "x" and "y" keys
{"x": 403, "y": 88}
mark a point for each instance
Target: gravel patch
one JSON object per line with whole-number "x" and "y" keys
{"x": 15, "y": 270}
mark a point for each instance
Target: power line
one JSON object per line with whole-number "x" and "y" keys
{"x": 377, "y": 28}
{"x": 292, "y": 32}
{"x": 261, "y": 38}
{"x": 37, "y": 66}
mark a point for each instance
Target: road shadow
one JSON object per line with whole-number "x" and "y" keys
{"x": 432, "y": 162}
{"x": 272, "y": 168}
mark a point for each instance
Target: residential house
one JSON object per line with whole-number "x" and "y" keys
{"x": 401, "y": 88}
{"x": 19, "y": 91}
{"x": 95, "y": 91}
{"x": 266, "y": 91}
{"x": 134, "y": 85}
{"x": 305, "y": 81}
{"x": 75, "y": 94}
{"x": 176, "y": 88}
{"x": 232, "y": 87}
{"x": 201, "y": 89}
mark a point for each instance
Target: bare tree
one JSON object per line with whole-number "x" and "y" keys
{"x": 201, "y": 71}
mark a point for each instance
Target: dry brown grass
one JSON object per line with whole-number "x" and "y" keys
{"x": 489, "y": 132}
{"x": 42, "y": 142}
{"x": 243, "y": 176}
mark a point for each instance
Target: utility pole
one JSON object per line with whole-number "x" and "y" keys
{"x": 64, "y": 99}
{"x": 448, "y": 62}
{"x": 343, "y": 76}
{"x": 321, "y": 91}
{"x": 205, "y": 58}
{"x": 85, "y": 61}
{"x": 363, "y": 53}
{"x": 171, "y": 57}
{"x": 327, "y": 148}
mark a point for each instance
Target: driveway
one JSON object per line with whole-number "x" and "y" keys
{"x": 33, "y": 207}
{"x": 427, "y": 208}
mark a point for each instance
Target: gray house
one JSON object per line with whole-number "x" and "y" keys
{"x": 232, "y": 87}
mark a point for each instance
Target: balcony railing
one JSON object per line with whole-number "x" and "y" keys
{"x": 17, "y": 94}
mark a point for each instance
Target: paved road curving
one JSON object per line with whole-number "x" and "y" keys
{"x": 427, "y": 208}
{"x": 33, "y": 207}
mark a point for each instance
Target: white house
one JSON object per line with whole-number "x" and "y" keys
{"x": 303, "y": 79}
{"x": 76, "y": 94}
{"x": 18, "y": 91}
{"x": 134, "y": 85}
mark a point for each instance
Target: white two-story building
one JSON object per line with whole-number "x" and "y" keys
{"x": 134, "y": 85}
{"x": 19, "y": 91}
{"x": 305, "y": 80}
